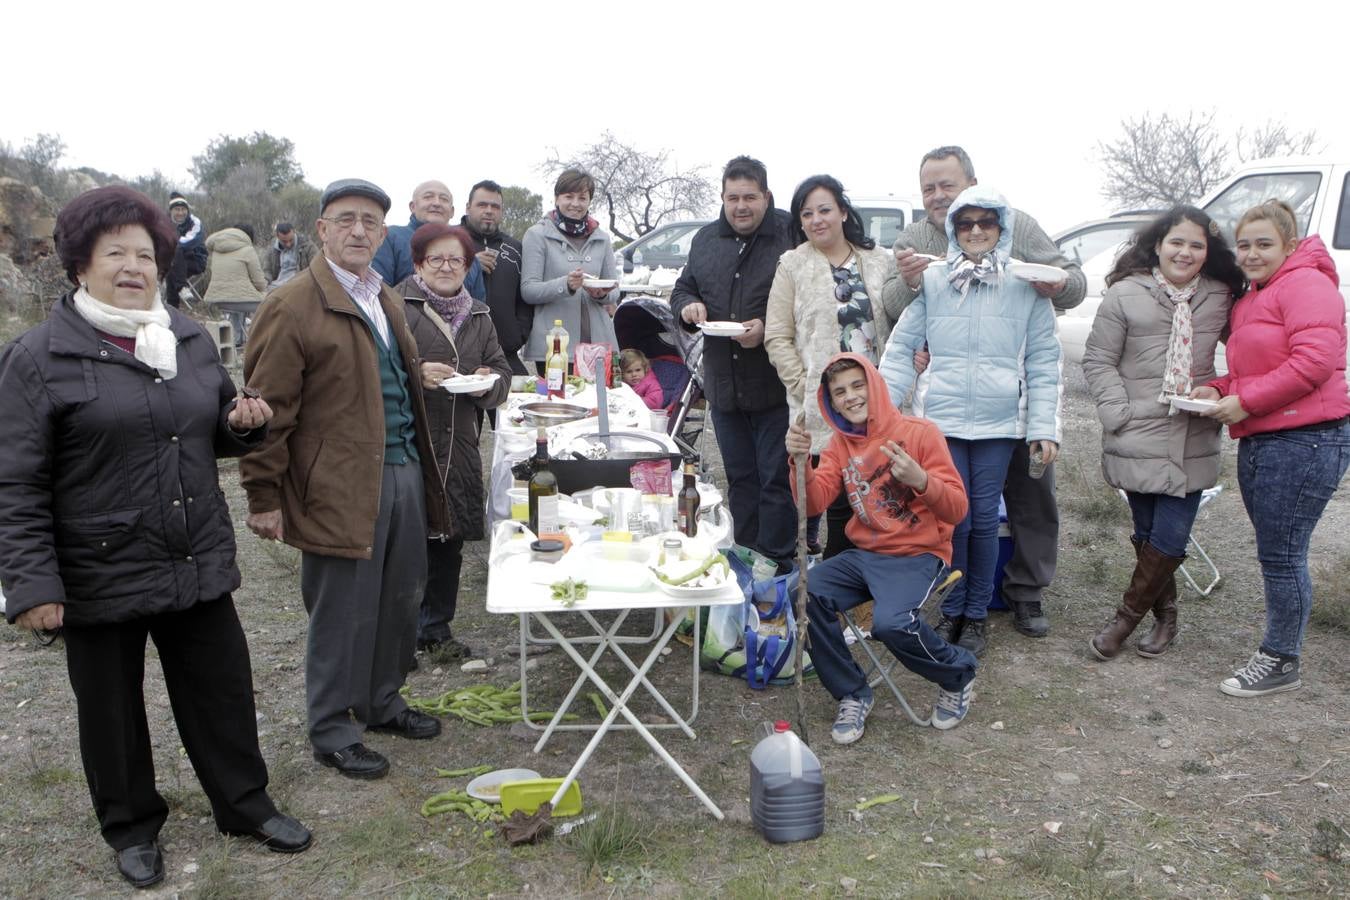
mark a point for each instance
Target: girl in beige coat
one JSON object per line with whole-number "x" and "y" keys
{"x": 825, "y": 300}
{"x": 1154, "y": 337}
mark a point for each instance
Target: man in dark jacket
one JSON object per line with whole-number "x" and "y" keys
{"x": 190, "y": 257}
{"x": 431, "y": 202}
{"x": 730, "y": 270}
{"x": 288, "y": 254}
{"x": 499, "y": 256}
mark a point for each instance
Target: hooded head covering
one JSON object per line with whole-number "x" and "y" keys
{"x": 881, "y": 414}
{"x": 962, "y": 272}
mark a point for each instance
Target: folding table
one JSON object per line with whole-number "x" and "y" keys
{"x": 513, "y": 591}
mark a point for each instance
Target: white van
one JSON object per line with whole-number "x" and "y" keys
{"x": 1315, "y": 188}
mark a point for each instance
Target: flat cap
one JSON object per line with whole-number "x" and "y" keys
{"x": 354, "y": 187}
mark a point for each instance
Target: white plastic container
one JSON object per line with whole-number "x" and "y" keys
{"x": 787, "y": 788}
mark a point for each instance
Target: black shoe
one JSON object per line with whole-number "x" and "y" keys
{"x": 973, "y": 636}
{"x": 356, "y": 761}
{"x": 141, "y": 864}
{"x": 1029, "y": 618}
{"x": 949, "y": 629}
{"x": 411, "y": 724}
{"x": 448, "y": 649}
{"x": 280, "y": 834}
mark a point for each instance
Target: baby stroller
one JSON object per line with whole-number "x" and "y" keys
{"x": 646, "y": 323}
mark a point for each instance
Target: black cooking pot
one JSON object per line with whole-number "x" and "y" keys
{"x": 624, "y": 450}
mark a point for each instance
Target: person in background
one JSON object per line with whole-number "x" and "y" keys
{"x": 727, "y": 279}
{"x": 1033, "y": 514}
{"x": 190, "y": 257}
{"x": 114, "y": 529}
{"x": 288, "y": 254}
{"x": 499, "y": 256}
{"x": 431, "y": 202}
{"x": 233, "y": 282}
{"x": 993, "y": 383}
{"x": 638, "y": 375}
{"x": 899, "y": 477}
{"x": 454, "y": 335}
{"x": 1165, "y": 308}
{"x": 561, "y": 251}
{"x": 1284, "y": 400}
{"x": 347, "y": 476}
{"x": 825, "y": 300}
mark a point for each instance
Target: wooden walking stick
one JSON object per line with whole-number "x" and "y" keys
{"x": 801, "y": 460}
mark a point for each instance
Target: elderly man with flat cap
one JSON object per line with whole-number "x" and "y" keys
{"x": 348, "y": 476}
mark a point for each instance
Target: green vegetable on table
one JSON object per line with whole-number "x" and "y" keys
{"x": 569, "y": 591}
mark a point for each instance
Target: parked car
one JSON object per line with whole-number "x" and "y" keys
{"x": 1316, "y": 189}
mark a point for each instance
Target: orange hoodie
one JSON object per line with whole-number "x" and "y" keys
{"x": 888, "y": 517}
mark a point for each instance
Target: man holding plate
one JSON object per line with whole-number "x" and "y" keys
{"x": 724, "y": 289}
{"x": 1033, "y": 515}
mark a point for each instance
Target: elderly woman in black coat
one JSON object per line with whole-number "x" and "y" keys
{"x": 113, "y": 526}
{"x": 455, "y": 336}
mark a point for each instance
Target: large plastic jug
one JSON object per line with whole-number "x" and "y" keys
{"x": 787, "y": 788}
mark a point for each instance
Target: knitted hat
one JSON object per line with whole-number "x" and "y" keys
{"x": 353, "y": 187}
{"x": 177, "y": 199}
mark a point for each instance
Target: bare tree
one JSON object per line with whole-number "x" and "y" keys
{"x": 1275, "y": 139}
{"x": 1161, "y": 161}
{"x": 638, "y": 190}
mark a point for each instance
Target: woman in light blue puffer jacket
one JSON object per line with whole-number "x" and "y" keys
{"x": 994, "y": 379}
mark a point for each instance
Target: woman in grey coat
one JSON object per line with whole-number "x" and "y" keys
{"x": 565, "y": 248}
{"x": 1164, "y": 311}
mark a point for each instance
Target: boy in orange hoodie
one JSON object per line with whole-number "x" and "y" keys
{"x": 907, "y": 498}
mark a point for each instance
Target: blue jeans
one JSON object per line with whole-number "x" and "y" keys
{"x": 984, "y": 467}
{"x": 1164, "y": 521}
{"x": 755, "y": 459}
{"x": 1287, "y": 478}
{"x": 897, "y": 585}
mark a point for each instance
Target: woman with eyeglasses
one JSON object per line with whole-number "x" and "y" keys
{"x": 825, "y": 300}
{"x": 454, "y": 335}
{"x": 566, "y": 247}
{"x": 1154, "y": 336}
{"x": 993, "y": 381}
{"x": 1284, "y": 399}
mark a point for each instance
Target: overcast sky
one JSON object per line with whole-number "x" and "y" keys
{"x": 398, "y": 93}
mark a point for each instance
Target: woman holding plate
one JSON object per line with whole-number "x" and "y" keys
{"x": 457, "y": 341}
{"x": 1165, "y": 308}
{"x": 568, "y": 272}
{"x": 993, "y": 380}
{"x": 1284, "y": 399}
{"x": 825, "y": 300}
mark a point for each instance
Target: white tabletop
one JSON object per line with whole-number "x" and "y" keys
{"x": 513, "y": 590}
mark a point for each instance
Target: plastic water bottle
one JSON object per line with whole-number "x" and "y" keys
{"x": 787, "y": 788}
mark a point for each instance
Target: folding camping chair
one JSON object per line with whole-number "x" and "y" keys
{"x": 938, "y": 590}
{"x": 1212, "y": 571}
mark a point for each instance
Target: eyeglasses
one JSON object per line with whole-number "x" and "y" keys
{"x": 348, "y": 220}
{"x": 454, "y": 262}
{"x": 986, "y": 223}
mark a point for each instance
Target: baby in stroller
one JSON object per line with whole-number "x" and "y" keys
{"x": 638, "y": 375}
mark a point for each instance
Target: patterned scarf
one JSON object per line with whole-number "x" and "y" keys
{"x": 156, "y": 345}
{"x": 1177, "y": 373}
{"x": 454, "y": 310}
{"x": 966, "y": 271}
{"x": 572, "y": 227}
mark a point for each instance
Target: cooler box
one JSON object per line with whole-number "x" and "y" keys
{"x": 1005, "y": 549}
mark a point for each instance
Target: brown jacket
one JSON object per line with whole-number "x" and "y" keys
{"x": 312, "y": 357}
{"x": 453, "y": 418}
{"x": 1143, "y": 448}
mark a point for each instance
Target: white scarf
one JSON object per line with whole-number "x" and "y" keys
{"x": 1177, "y": 370}
{"x": 156, "y": 345}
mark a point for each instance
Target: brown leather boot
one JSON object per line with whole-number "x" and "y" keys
{"x": 1150, "y": 570}
{"x": 1156, "y": 642}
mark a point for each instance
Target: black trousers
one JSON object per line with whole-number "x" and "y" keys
{"x": 204, "y": 656}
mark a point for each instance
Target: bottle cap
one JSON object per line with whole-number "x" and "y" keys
{"x": 781, "y": 726}
{"x": 546, "y": 545}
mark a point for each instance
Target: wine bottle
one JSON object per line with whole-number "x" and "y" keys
{"x": 555, "y": 370}
{"x": 688, "y": 502}
{"x": 615, "y": 371}
{"x": 543, "y": 490}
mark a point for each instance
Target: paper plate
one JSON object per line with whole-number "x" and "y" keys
{"x": 467, "y": 384}
{"x": 1037, "y": 272}
{"x": 1193, "y": 404}
{"x": 722, "y": 329}
{"x": 488, "y": 788}
{"x": 607, "y": 284}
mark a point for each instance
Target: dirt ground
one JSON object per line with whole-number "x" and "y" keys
{"x": 1071, "y": 777}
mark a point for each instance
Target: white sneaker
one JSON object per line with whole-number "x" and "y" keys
{"x": 952, "y": 706}
{"x": 848, "y": 724}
